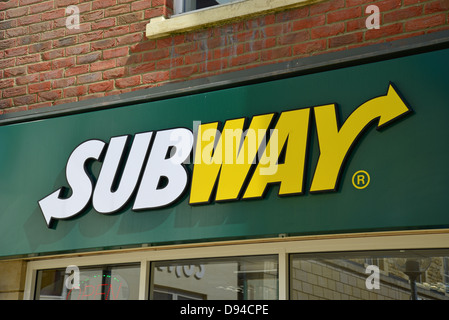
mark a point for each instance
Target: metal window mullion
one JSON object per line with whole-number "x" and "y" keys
{"x": 283, "y": 275}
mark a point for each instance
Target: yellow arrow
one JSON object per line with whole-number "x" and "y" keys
{"x": 335, "y": 143}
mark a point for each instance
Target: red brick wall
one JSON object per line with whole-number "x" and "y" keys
{"x": 43, "y": 63}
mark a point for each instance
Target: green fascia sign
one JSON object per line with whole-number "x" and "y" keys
{"x": 392, "y": 174}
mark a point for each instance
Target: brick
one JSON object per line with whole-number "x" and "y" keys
{"x": 294, "y": 14}
{"x": 6, "y": 103}
{"x": 40, "y": 47}
{"x": 383, "y": 31}
{"x": 28, "y": 39}
{"x": 326, "y": 6}
{"x": 14, "y": 72}
{"x": 141, "y": 5}
{"x": 8, "y": 24}
{"x": 52, "y": 74}
{"x": 114, "y": 53}
{"x": 154, "y": 55}
{"x": 39, "y": 105}
{"x": 356, "y": 24}
{"x": 117, "y": 10}
{"x": 309, "y": 22}
{"x": 127, "y": 82}
{"x": 103, "y": 65}
{"x": 63, "y": 83}
{"x": 4, "y": 5}
{"x": 67, "y": 100}
{"x": 6, "y": 83}
{"x": 41, "y": 6}
{"x": 129, "y": 39}
{"x": 25, "y": 100}
{"x": 53, "y": 15}
{"x": 294, "y": 37}
{"x": 103, "y": 44}
{"x": 215, "y": 65}
{"x": 425, "y": 22}
{"x": 76, "y": 50}
{"x": 102, "y": 24}
{"x": 116, "y": 31}
{"x": 387, "y": 5}
{"x": 28, "y": 2}
{"x": 276, "y": 53}
{"x": 54, "y": 54}
{"x": 190, "y": 47}
{"x": 91, "y": 36}
{"x": 14, "y": 92}
{"x": 345, "y": 39}
{"x": 52, "y": 34}
{"x": 114, "y": 73}
{"x": 73, "y": 71}
{"x": 28, "y": 59}
{"x": 344, "y": 14}
{"x": 142, "y": 68}
{"x": 92, "y": 16}
{"x": 16, "y": 32}
{"x": 309, "y": 47}
{"x": 402, "y": 14}
{"x": 15, "y": 12}
{"x": 66, "y": 3}
{"x": 75, "y": 91}
{"x": 38, "y": 87}
{"x": 183, "y": 72}
{"x": 90, "y": 77}
{"x": 64, "y": 42}
{"x": 26, "y": 79}
{"x": 155, "y": 77}
{"x": 88, "y": 58}
{"x": 39, "y": 67}
{"x": 101, "y": 4}
{"x": 328, "y": 30}
{"x": 101, "y": 86}
{"x": 6, "y": 44}
{"x": 29, "y": 19}
{"x": 50, "y": 95}
{"x": 63, "y": 63}
{"x": 40, "y": 27}
{"x": 143, "y": 46}
{"x": 436, "y": 6}
{"x": 18, "y": 51}
{"x": 138, "y": 27}
{"x": 6, "y": 63}
{"x": 154, "y": 12}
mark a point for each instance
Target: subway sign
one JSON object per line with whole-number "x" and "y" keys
{"x": 359, "y": 148}
{"x": 221, "y": 158}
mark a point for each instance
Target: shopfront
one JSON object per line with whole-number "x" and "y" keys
{"x": 320, "y": 181}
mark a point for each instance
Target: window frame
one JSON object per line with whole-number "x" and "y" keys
{"x": 282, "y": 246}
{"x": 162, "y": 26}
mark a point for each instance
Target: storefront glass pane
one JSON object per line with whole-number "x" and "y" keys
{"x": 237, "y": 278}
{"x": 370, "y": 276}
{"x": 96, "y": 283}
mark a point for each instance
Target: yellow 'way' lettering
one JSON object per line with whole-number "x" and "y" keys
{"x": 227, "y": 156}
{"x": 223, "y": 160}
{"x": 292, "y": 132}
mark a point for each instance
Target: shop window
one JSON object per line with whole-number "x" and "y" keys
{"x": 401, "y": 275}
{"x": 182, "y": 6}
{"x": 95, "y": 283}
{"x": 241, "y": 278}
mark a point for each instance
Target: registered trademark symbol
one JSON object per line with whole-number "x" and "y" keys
{"x": 360, "y": 179}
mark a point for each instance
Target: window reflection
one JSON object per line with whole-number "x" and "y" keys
{"x": 237, "y": 278}
{"x": 346, "y": 276}
{"x": 97, "y": 283}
